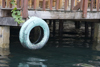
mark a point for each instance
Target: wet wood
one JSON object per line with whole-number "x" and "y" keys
{"x": 86, "y": 29}
{"x": 54, "y": 28}
{"x": 92, "y": 31}
{"x": 77, "y": 25}
{"x": 60, "y": 28}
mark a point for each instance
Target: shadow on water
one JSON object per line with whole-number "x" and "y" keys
{"x": 68, "y": 51}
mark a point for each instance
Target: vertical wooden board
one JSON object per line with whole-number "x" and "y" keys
{"x": 37, "y": 3}
{"x": 72, "y": 4}
{"x": 0, "y": 2}
{"x": 34, "y": 4}
{"x": 4, "y": 36}
{"x": 57, "y": 4}
{"x": 85, "y": 6}
{"x": 25, "y": 9}
{"x": 92, "y": 1}
{"x": 65, "y": 5}
{"x": 60, "y": 4}
{"x": 44, "y": 4}
{"x": 50, "y": 4}
{"x": 1, "y": 40}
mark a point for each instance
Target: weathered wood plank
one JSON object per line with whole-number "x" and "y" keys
{"x": 63, "y": 15}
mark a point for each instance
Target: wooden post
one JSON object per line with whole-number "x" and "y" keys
{"x": 18, "y": 3}
{"x": 44, "y": 4}
{"x": 34, "y": 5}
{"x": 85, "y": 6}
{"x": 92, "y": 31}
{"x": 86, "y": 30}
{"x": 51, "y": 2}
{"x": 65, "y": 5}
{"x": 96, "y": 37}
{"x": 25, "y": 9}
{"x": 97, "y": 3}
{"x": 4, "y": 36}
{"x": 54, "y": 28}
{"x": 60, "y": 31}
{"x": 92, "y": 5}
{"x": 81, "y": 5}
{"x": 60, "y": 28}
{"x": 72, "y": 4}
{"x": 57, "y": 4}
{"x": 77, "y": 25}
{"x": 3, "y": 3}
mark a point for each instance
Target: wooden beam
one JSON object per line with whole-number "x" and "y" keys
{"x": 77, "y": 6}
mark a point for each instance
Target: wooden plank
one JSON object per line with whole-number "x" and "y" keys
{"x": 92, "y": 1}
{"x": 44, "y": 5}
{"x": 34, "y": 5}
{"x": 30, "y": 2}
{"x": 22, "y": 4}
{"x": 57, "y": 4}
{"x": 85, "y": 8}
{"x": 77, "y": 7}
{"x": 65, "y": 4}
{"x": 25, "y": 9}
{"x": 3, "y": 3}
{"x": 98, "y": 1}
{"x": 72, "y": 4}
{"x": 18, "y": 3}
{"x": 81, "y": 5}
{"x": 60, "y": 3}
{"x": 9, "y": 21}
{"x": 10, "y": 5}
{"x": 63, "y": 15}
{"x": 51, "y": 3}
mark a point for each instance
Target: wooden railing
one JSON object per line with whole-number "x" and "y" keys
{"x": 54, "y": 5}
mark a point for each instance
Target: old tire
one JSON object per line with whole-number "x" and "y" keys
{"x": 25, "y": 32}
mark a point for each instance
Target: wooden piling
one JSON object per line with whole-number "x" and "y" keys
{"x": 86, "y": 29}
{"x": 96, "y": 37}
{"x": 54, "y": 28}
{"x": 77, "y": 25}
{"x": 4, "y": 36}
{"x": 60, "y": 28}
{"x": 92, "y": 31}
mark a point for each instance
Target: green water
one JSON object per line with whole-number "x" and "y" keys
{"x": 69, "y": 52}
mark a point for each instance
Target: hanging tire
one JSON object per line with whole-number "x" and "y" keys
{"x": 26, "y": 29}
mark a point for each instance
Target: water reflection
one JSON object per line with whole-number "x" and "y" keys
{"x": 96, "y": 46}
{"x": 4, "y": 60}
{"x": 32, "y": 62}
